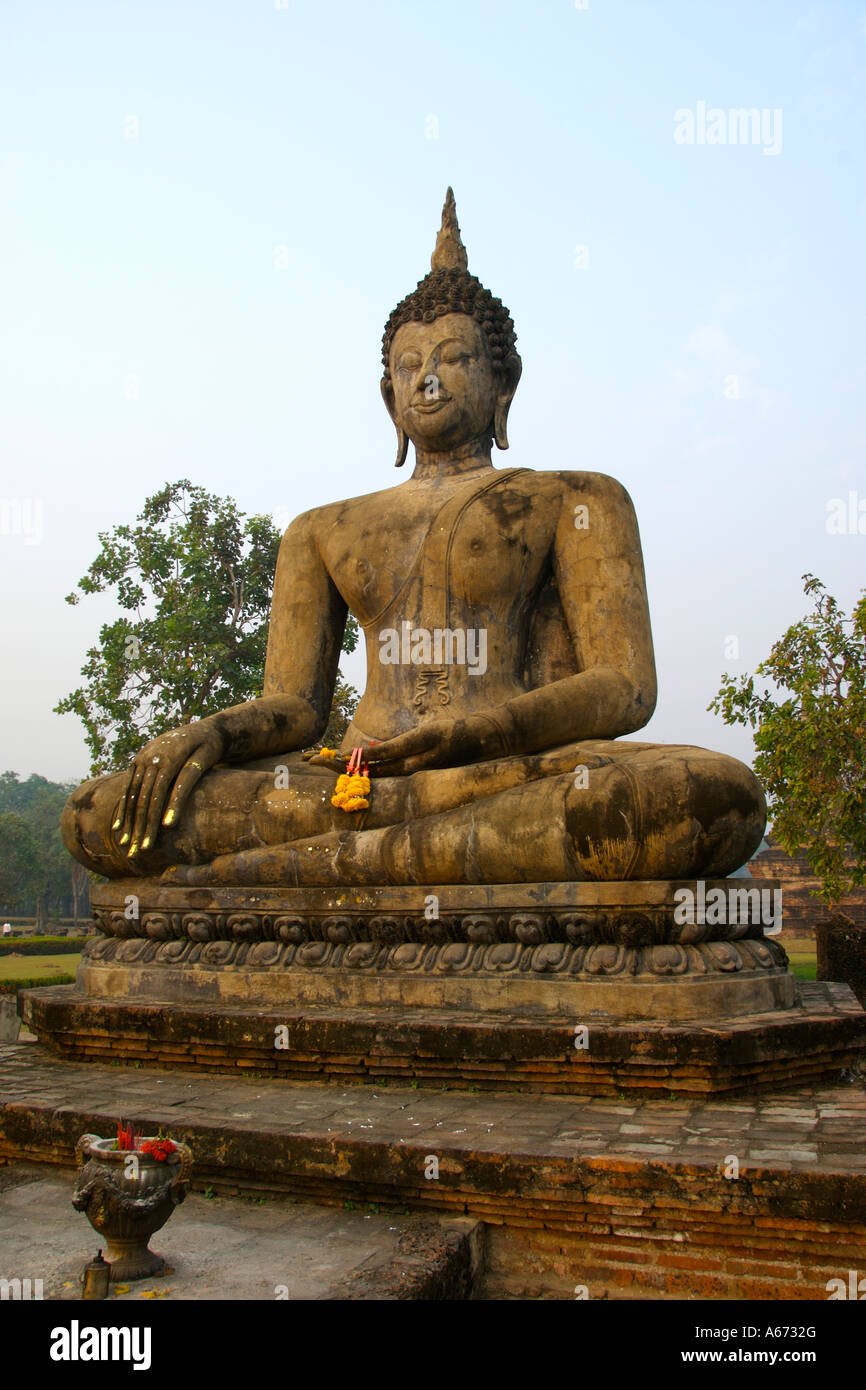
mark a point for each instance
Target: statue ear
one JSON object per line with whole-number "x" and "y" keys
{"x": 510, "y": 378}
{"x": 402, "y": 438}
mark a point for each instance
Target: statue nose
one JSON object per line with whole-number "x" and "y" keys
{"x": 427, "y": 379}
{"x": 428, "y": 369}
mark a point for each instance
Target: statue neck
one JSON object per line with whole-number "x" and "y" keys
{"x": 466, "y": 458}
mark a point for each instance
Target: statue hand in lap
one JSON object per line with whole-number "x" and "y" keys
{"x": 161, "y": 780}
{"x": 443, "y": 743}
{"x": 508, "y": 650}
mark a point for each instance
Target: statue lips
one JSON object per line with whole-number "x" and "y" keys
{"x": 428, "y": 407}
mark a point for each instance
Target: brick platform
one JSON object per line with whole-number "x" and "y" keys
{"x": 629, "y": 1199}
{"x": 816, "y": 1040}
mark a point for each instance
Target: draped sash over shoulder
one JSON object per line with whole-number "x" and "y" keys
{"x": 423, "y": 600}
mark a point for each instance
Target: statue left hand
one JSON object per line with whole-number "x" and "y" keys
{"x": 442, "y": 743}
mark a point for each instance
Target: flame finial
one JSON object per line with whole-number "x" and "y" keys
{"x": 449, "y": 252}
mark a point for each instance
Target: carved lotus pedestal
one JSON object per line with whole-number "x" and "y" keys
{"x": 576, "y": 987}
{"x": 128, "y": 1195}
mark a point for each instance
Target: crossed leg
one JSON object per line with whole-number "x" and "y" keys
{"x": 621, "y": 811}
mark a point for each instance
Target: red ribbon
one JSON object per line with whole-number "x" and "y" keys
{"x": 357, "y": 764}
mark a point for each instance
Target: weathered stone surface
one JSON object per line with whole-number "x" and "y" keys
{"x": 10, "y": 1023}
{"x": 841, "y": 944}
{"x": 220, "y": 1248}
{"x": 574, "y": 950}
{"x": 822, "y": 1034}
{"x": 508, "y": 650}
{"x": 627, "y": 1198}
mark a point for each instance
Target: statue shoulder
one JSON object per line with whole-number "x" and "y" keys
{"x": 599, "y": 486}
{"x": 320, "y": 520}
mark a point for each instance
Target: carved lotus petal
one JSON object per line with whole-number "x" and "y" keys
{"x": 173, "y": 951}
{"x": 338, "y": 929}
{"x": 605, "y": 960}
{"x": 724, "y": 956}
{"x": 553, "y": 955}
{"x": 435, "y": 930}
{"x": 129, "y": 951}
{"x": 760, "y": 953}
{"x": 407, "y": 956}
{"x": 689, "y": 933}
{"x": 218, "y": 952}
{"x": 528, "y": 928}
{"x": 314, "y": 953}
{"x": 480, "y": 928}
{"x": 157, "y": 926}
{"x": 265, "y": 953}
{"x": 385, "y": 929}
{"x": 199, "y": 926}
{"x": 361, "y": 954}
{"x": 668, "y": 960}
{"x": 505, "y": 955}
{"x": 634, "y": 929}
{"x": 292, "y": 929}
{"x": 578, "y": 928}
{"x": 98, "y": 947}
{"x": 112, "y": 923}
{"x": 123, "y": 926}
{"x": 244, "y": 927}
{"x": 456, "y": 956}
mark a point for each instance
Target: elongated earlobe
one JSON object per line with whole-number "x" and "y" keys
{"x": 402, "y": 447}
{"x": 500, "y": 419}
{"x": 513, "y": 370}
{"x": 402, "y": 438}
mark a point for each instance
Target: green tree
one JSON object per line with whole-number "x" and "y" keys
{"x": 810, "y": 738}
{"x": 21, "y": 867}
{"x": 194, "y": 578}
{"x": 343, "y": 706}
{"x": 52, "y": 882}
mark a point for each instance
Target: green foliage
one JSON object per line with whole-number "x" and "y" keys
{"x": 810, "y": 738}
{"x": 194, "y": 580}
{"x": 343, "y": 706}
{"x": 37, "y": 875}
{"x": 20, "y": 859}
{"x": 38, "y": 945}
{"x": 34, "y": 982}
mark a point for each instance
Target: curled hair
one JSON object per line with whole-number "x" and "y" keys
{"x": 455, "y": 291}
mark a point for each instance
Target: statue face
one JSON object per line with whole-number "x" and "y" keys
{"x": 444, "y": 387}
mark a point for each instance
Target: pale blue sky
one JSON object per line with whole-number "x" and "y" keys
{"x": 307, "y": 127}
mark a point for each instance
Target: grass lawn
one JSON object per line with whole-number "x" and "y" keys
{"x": 38, "y": 967}
{"x": 801, "y": 953}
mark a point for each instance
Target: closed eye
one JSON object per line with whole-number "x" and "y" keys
{"x": 451, "y": 358}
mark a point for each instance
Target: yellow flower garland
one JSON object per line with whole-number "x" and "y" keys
{"x": 351, "y": 792}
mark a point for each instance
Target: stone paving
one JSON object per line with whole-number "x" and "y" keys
{"x": 219, "y": 1248}
{"x": 632, "y": 1198}
{"x": 822, "y": 1125}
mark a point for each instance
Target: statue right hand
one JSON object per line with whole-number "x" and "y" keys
{"x": 161, "y": 781}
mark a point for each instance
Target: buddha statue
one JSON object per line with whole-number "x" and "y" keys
{"x": 508, "y": 651}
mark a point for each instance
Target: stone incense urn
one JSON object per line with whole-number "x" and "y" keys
{"x": 127, "y": 1195}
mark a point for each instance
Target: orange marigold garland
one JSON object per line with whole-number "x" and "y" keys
{"x": 353, "y": 786}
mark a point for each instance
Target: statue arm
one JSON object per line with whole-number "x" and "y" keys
{"x": 305, "y": 636}
{"x": 598, "y": 567}
{"x": 599, "y": 573}
{"x": 308, "y": 618}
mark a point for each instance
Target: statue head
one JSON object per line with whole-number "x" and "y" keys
{"x": 450, "y": 364}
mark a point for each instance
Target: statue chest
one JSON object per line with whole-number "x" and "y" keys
{"x": 484, "y": 557}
